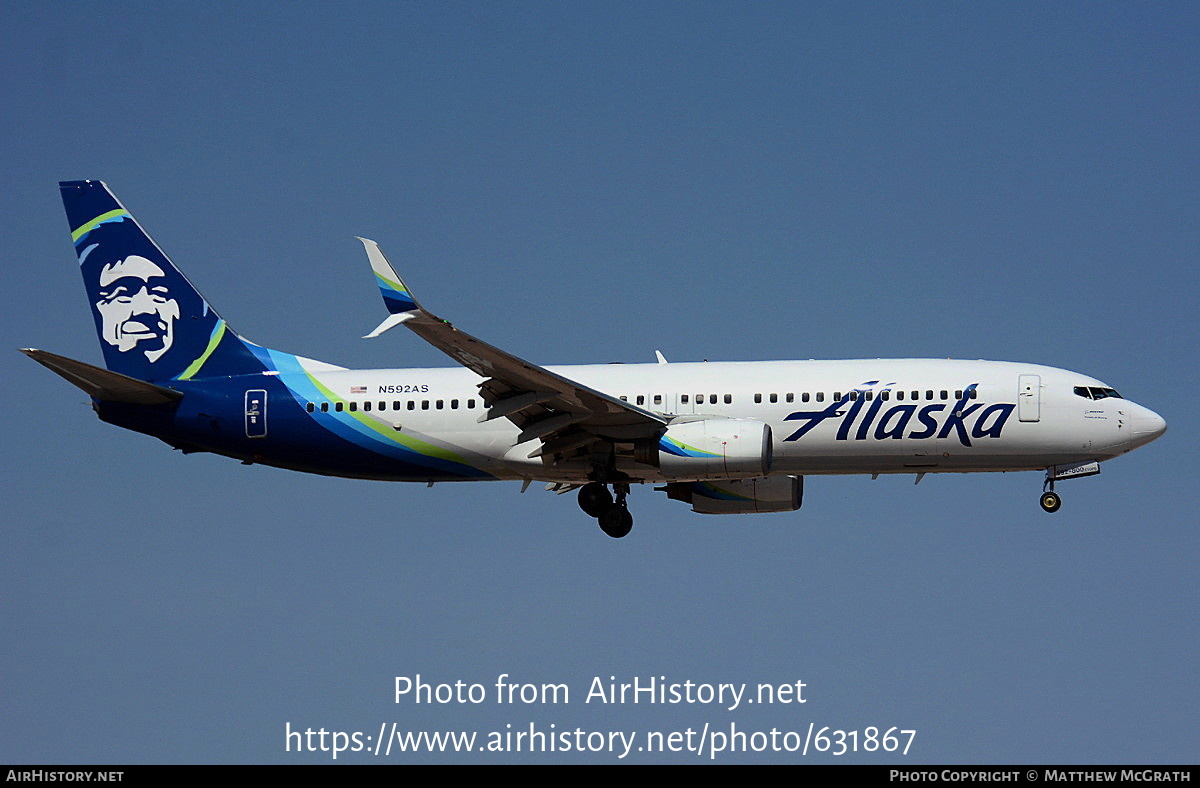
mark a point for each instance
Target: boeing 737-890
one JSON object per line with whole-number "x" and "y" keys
{"x": 728, "y": 438}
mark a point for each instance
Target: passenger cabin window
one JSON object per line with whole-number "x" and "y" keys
{"x": 337, "y": 406}
{"x": 683, "y": 398}
{"x": 311, "y": 407}
{"x": 712, "y": 399}
{"x": 820, "y": 396}
{"x": 790, "y": 397}
{"x": 758, "y": 398}
{"x": 728, "y": 399}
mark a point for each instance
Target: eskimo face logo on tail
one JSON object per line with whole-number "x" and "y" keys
{"x": 136, "y": 308}
{"x": 862, "y": 420}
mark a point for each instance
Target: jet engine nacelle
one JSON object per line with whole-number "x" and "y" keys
{"x": 740, "y": 496}
{"x": 715, "y": 449}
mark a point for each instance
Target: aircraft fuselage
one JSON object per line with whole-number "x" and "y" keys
{"x": 825, "y": 417}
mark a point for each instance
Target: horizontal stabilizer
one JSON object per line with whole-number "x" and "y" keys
{"x": 103, "y": 384}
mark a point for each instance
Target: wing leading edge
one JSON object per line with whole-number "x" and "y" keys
{"x": 562, "y": 414}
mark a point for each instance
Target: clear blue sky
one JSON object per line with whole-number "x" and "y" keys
{"x": 589, "y": 182}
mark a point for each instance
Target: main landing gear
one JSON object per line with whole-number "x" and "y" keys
{"x": 612, "y": 514}
{"x": 1050, "y": 500}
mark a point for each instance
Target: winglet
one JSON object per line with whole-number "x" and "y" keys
{"x": 389, "y": 322}
{"x": 396, "y": 297}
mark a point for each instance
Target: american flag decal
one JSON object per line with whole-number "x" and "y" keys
{"x": 358, "y": 389}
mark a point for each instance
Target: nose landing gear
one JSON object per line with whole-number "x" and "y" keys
{"x": 612, "y": 515}
{"x": 1050, "y": 500}
{"x": 1077, "y": 470}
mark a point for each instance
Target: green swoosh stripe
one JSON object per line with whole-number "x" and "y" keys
{"x": 213, "y": 341}
{"x": 87, "y": 227}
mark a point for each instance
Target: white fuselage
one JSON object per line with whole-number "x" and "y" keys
{"x": 845, "y": 416}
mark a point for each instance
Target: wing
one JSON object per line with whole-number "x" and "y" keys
{"x": 562, "y": 414}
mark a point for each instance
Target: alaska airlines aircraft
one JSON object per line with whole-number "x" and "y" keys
{"x": 727, "y": 438}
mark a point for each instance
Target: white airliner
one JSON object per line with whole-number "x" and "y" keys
{"x": 728, "y": 438}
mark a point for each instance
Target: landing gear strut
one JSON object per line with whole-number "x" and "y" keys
{"x": 612, "y": 515}
{"x": 1050, "y": 500}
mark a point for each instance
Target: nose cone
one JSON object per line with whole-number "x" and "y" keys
{"x": 1146, "y": 426}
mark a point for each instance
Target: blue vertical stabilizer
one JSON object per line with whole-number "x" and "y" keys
{"x": 152, "y": 323}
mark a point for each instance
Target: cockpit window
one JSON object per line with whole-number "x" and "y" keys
{"x": 1096, "y": 392}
